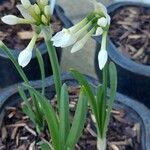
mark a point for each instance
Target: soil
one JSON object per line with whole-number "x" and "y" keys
{"x": 130, "y": 32}
{"x": 17, "y": 37}
{"x": 18, "y": 132}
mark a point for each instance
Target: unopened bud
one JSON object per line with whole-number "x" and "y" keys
{"x": 37, "y": 9}
{"x": 26, "y": 3}
{"x": 44, "y": 19}
{"x": 47, "y": 11}
{"x": 102, "y": 22}
{"x": 10, "y": 19}
{"x": 44, "y": 2}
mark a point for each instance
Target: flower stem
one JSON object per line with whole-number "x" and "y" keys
{"x": 55, "y": 67}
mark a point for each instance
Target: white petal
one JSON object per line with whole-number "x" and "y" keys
{"x": 57, "y": 36}
{"x": 10, "y": 19}
{"x": 99, "y": 7}
{"x": 52, "y": 6}
{"x": 99, "y": 31}
{"x": 102, "y": 22}
{"x": 24, "y": 12}
{"x": 24, "y": 57}
{"x": 102, "y": 58}
{"x": 26, "y": 3}
{"x": 63, "y": 38}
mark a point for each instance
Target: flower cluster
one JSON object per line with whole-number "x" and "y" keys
{"x": 38, "y": 15}
{"x": 95, "y": 24}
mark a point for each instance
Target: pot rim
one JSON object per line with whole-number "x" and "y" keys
{"x": 141, "y": 110}
{"x": 118, "y": 57}
{"x": 42, "y": 47}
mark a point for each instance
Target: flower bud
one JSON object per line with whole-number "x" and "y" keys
{"x": 102, "y": 58}
{"x": 26, "y": 3}
{"x": 99, "y": 31}
{"x": 37, "y": 9}
{"x": 24, "y": 57}
{"x": 102, "y": 22}
{"x": 47, "y": 11}
{"x": 44, "y": 19}
{"x": 10, "y": 19}
{"x": 44, "y": 2}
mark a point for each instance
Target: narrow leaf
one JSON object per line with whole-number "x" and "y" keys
{"x": 27, "y": 107}
{"x": 78, "y": 121}
{"x": 113, "y": 88}
{"x": 83, "y": 82}
{"x": 64, "y": 115}
{"x": 50, "y": 117}
{"x": 14, "y": 61}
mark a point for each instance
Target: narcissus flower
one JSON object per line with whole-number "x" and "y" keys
{"x": 39, "y": 16}
{"x": 95, "y": 24}
{"x": 101, "y": 10}
{"x": 78, "y": 34}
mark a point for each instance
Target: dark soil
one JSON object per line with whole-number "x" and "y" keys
{"x": 18, "y": 133}
{"x": 18, "y": 36}
{"x": 130, "y": 32}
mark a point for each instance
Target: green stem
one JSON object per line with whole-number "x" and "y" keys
{"x": 104, "y": 81}
{"x": 55, "y": 67}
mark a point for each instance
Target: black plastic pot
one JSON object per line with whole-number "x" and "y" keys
{"x": 8, "y": 73}
{"x": 133, "y": 78}
{"x": 137, "y": 111}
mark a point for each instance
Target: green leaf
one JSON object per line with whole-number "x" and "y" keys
{"x": 113, "y": 88}
{"x": 14, "y": 61}
{"x": 27, "y": 107}
{"x": 50, "y": 117}
{"x": 41, "y": 65}
{"x": 83, "y": 82}
{"x": 44, "y": 145}
{"x": 99, "y": 100}
{"x": 64, "y": 115}
{"x": 78, "y": 121}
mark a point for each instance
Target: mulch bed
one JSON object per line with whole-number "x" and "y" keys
{"x": 18, "y": 132}
{"x": 18, "y": 36}
{"x": 130, "y": 32}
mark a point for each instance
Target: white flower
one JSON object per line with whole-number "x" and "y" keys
{"x": 101, "y": 9}
{"x": 99, "y": 31}
{"x": 26, "y": 55}
{"x": 68, "y": 37}
{"x": 10, "y": 19}
{"x": 102, "y": 58}
{"x": 102, "y": 22}
{"x": 63, "y": 38}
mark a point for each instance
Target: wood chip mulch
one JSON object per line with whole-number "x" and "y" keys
{"x": 18, "y": 132}
{"x": 130, "y": 32}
